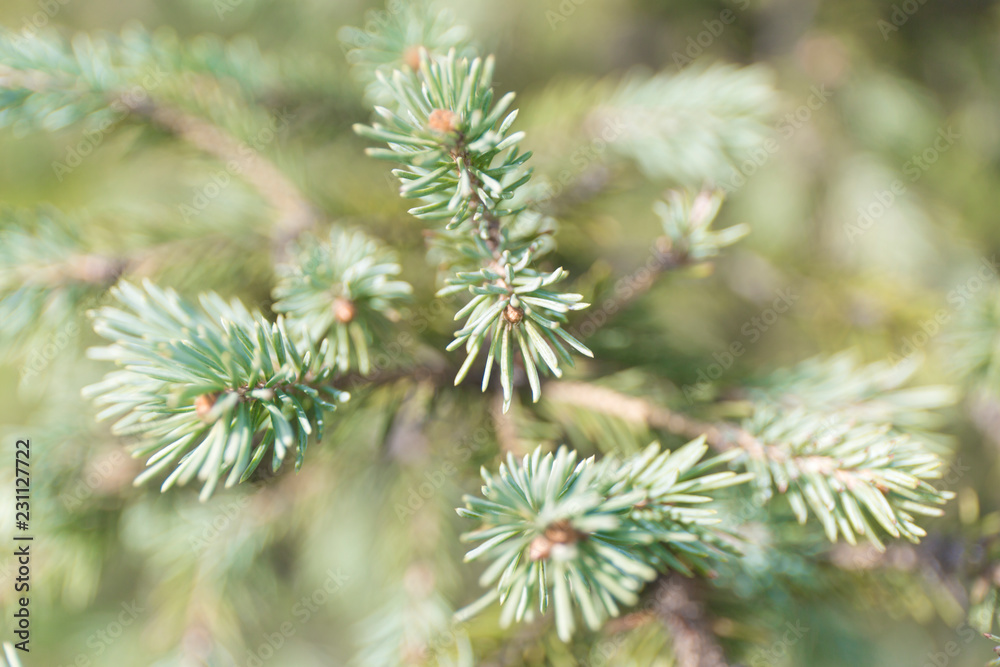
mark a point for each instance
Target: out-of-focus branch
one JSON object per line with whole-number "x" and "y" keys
{"x": 642, "y": 279}
{"x": 680, "y": 610}
{"x": 506, "y": 431}
{"x": 91, "y": 269}
{"x": 294, "y": 212}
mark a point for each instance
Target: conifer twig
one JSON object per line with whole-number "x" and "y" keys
{"x": 721, "y": 437}
{"x": 688, "y": 240}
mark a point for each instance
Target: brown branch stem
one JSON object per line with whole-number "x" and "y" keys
{"x": 294, "y": 212}
{"x": 637, "y": 410}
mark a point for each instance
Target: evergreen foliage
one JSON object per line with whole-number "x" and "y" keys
{"x": 466, "y": 169}
{"x": 589, "y": 535}
{"x": 210, "y": 390}
{"x": 771, "y": 491}
{"x": 355, "y": 271}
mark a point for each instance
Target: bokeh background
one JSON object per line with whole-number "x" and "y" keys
{"x": 877, "y": 210}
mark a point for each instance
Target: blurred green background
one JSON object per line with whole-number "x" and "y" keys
{"x": 876, "y": 210}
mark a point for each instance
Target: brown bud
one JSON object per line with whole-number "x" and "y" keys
{"x": 204, "y": 404}
{"x": 562, "y": 532}
{"x": 513, "y": 314}
{"x": 540, "y": 548}
{"x": 411, "y": 56}
{"x": 344, "y": 310}
{"x": 442, "y": 120}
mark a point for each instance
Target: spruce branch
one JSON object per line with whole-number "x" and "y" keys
{"x": 841, "y": 386}
{"x": 463, "y": 165}
{"x": 972, "y": 343}
{"x": 47, "y": 269}
{"x": 340, "y": 290}
{"x": 845, "y": 475}
{"x": 687, "y": 226}
{"x": 47, "y": 82}
{"x": 688, "y": 241}
{"x": 207, "y": 391}
{"x": 596, "y": 398}
{"x": 844, "y": 443}
{"x": 692, "y": 127}
{"x": 589, "y": 535}
{"x": 448, "y": 132}
{"x": 394, "y": 39}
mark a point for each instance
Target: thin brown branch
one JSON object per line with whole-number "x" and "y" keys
{"x": 98, "y": 269}
{"x": 294, "y": 212}
{"x": 721, "y": 436}
{"x": 642, "y": 279}
{"x": 87, "y": 268}
{"x": 679, "y": 608}
{"x": 641, "y": 411}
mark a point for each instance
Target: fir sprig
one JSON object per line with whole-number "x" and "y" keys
{"x": 513, "y": 307}
{"x": 845, "y": 475}
{"x": 340, "y": 289}
{"x": 207, "y": 390}
{"x": 693, "y": 127}
{"x": 973, "y": 342}
{"x": 588, "y": 535}
{"x": 463, "y": 163}
{"x": 393, "y": 40}
{"x": 49, "y": 82}
{"x": 848, "y": 443}
{"x": 449, "y": 133}
{"x": 47, "y": 270}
